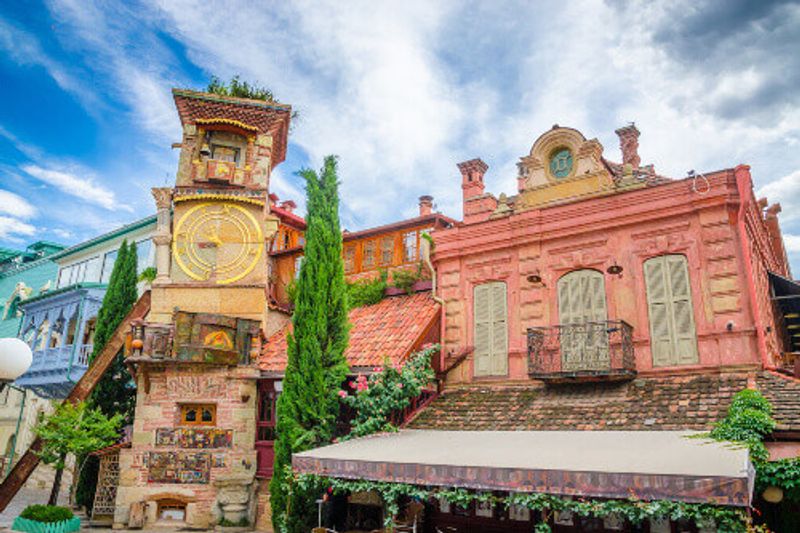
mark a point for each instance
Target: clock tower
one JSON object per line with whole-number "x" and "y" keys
{"x": 214, "y": 224}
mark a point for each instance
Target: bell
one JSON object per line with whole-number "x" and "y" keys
{"x": 205, "y": 151}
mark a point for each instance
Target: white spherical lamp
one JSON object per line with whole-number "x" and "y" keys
{"x": 15, "y": 359}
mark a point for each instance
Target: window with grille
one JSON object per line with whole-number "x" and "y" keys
{"x": 387, "y": 250}
{"x": 368, "y": 256}
{"x": 349, "y": 259}
{"x": 673, "y": 338}
{"x": 410, "y": 247}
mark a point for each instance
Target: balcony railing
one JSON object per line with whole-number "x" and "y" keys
{"x": 54, "y": 371}
{"x": 584, "y": 351}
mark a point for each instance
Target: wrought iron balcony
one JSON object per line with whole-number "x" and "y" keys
{"x": 584, "y": 351}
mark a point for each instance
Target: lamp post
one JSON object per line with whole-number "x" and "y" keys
{"x": 15, "y": 359}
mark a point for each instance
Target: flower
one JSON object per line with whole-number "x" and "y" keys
{"x": 352, "y": 384}
{"x": 342, "y": 394}
{"x": 399, "y": 385}
{"x": 377, "y": 369}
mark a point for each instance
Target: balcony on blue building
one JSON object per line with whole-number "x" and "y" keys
{"x": 59, "y": 327}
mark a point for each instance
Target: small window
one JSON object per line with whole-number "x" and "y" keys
{"x": 349, "y": 259}
{"x": 387, "y": 250}
{"x": 108, "y": 266}
{"x": 171, "y": 510}
{"x": 410, "y": 247}
{"x": 198, "y": 414}
{"x": 368, "y": 257}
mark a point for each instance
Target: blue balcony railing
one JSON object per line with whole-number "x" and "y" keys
{"x": 54, "y": 371}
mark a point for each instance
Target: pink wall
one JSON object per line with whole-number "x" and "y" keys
{"x": 627, "y": 229}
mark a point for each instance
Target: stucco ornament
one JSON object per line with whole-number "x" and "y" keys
{"x": 236, "y": 496}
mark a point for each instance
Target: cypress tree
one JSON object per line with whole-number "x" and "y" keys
{"x": 114, "y": 393}
{"x": 316, "y": 367}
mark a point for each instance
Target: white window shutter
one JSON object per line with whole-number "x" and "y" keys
{"x": 682, "y": 310}
{"x": 483, "y": 336}
{"x": 582, "y": 298}
{"x": 499, "y": 357}
{"x": 672, "y": 332}
{"x": 491, "y": 329}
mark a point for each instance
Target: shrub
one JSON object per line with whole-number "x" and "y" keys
{"x": 366, "y": 291}
{"x": 46, "y": 513}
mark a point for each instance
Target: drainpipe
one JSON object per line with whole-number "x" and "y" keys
{"x": 425, "y": 252}
{"x": 16, "y": 431}
{"x": 744, "y": 185}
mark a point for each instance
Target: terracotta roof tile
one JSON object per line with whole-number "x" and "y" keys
{"x": 392, "y": 328}
{"x": 654, "y": 403}
{"x": 784, "y": 394}
{"x": 267, "y": 117}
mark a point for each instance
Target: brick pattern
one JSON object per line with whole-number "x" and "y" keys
{"x": 658, "y": 403}
{"x": 391, "y": 329}
{"x": 784, "y": 393}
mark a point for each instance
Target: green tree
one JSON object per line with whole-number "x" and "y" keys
{"x": 73, "y": 429}
{"x": 115, "y": 393}
{"x": 316, "y": 366}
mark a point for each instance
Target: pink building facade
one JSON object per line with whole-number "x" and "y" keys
{"x": 684, "y": 263}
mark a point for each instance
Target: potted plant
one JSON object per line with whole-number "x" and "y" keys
{"x": 46, "y": 519}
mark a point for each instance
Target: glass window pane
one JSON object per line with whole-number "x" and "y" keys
{"x": 108, "y": 265}
{"x": 144, "y": 255}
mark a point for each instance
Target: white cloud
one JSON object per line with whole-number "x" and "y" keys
{"x": 81, "y": 187}
{"x": 15, "y": 205}
{"x": 11, "y": 229}
{"x": 792, "y": 243}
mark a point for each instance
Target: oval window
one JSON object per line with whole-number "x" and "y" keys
{"x": 561, "y": 163}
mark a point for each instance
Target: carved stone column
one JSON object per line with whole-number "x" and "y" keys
{"x": 163, "y": 234}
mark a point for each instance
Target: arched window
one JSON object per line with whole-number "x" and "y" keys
{"x": 582, "y": 303}
{"x": 673, "y": 339}
{"x": 490, "y": 329}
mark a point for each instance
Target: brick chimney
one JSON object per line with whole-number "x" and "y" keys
{"x": 425, "y": 205}
{"x": 476, "y": 205}
{"x": 472, "y": 173}
{"x": 629, "y": 145}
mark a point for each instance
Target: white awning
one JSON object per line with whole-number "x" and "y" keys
{"x": 608, "y": 464}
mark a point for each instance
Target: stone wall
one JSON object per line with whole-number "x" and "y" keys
{"x": 216, "y": 479}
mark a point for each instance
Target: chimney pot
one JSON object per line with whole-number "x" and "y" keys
{"x": 629, "y": 145}
{"x": 425, "y": 205}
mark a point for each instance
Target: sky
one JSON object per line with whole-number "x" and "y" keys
{"x": 400, "y": 91}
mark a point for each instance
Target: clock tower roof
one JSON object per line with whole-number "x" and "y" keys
{"x": 258, "y": 116}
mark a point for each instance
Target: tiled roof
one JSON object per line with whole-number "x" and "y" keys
{"x": 393, "y": 328}
{"x": 267, "y": 117}
{"x": 784, "y": 394}
{"x": 654, "y": 403}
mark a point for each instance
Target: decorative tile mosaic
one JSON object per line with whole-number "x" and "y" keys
{"x": 194, "y": 438}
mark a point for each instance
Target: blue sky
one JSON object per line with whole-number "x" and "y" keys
{"x": 401, "y": 92}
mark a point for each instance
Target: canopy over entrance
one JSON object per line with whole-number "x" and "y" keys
{"x": 605, "y": 464}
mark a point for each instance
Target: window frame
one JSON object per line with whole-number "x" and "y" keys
{"x": 184, "y": 408}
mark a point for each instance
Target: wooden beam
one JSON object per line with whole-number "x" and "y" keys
{"x": 80, "y": 392}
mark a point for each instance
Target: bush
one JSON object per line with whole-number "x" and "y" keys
{"x": 46, "y": 513}
{"x": 405, "y": 279}
{"x": 749, "y": 399}
{"x": 366, "y": 291}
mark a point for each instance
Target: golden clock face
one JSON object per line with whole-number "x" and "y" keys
{"x": 217, "y": 242}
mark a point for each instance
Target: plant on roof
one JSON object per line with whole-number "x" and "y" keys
{"x": 748, "y": 421}
{"x": 239, "y": 89}
{"x": 387, "y": 391}
{"x": 405, "y": 279}
{"x": 308, "y": 407}
{"x": 366, "y": 291}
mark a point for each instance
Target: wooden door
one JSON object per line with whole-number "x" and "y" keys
{"x": 491, "y": 329}
{"x": 582, "y": 315}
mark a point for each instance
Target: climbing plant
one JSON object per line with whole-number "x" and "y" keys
{"x": 387, "y": 390}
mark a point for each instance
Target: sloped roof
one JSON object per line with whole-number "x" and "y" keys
{"x": 784, "y": 394}
{"x": 392, "y": 328}
{"x": 652, "y": 403}
{"x": 267, "y": 117}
